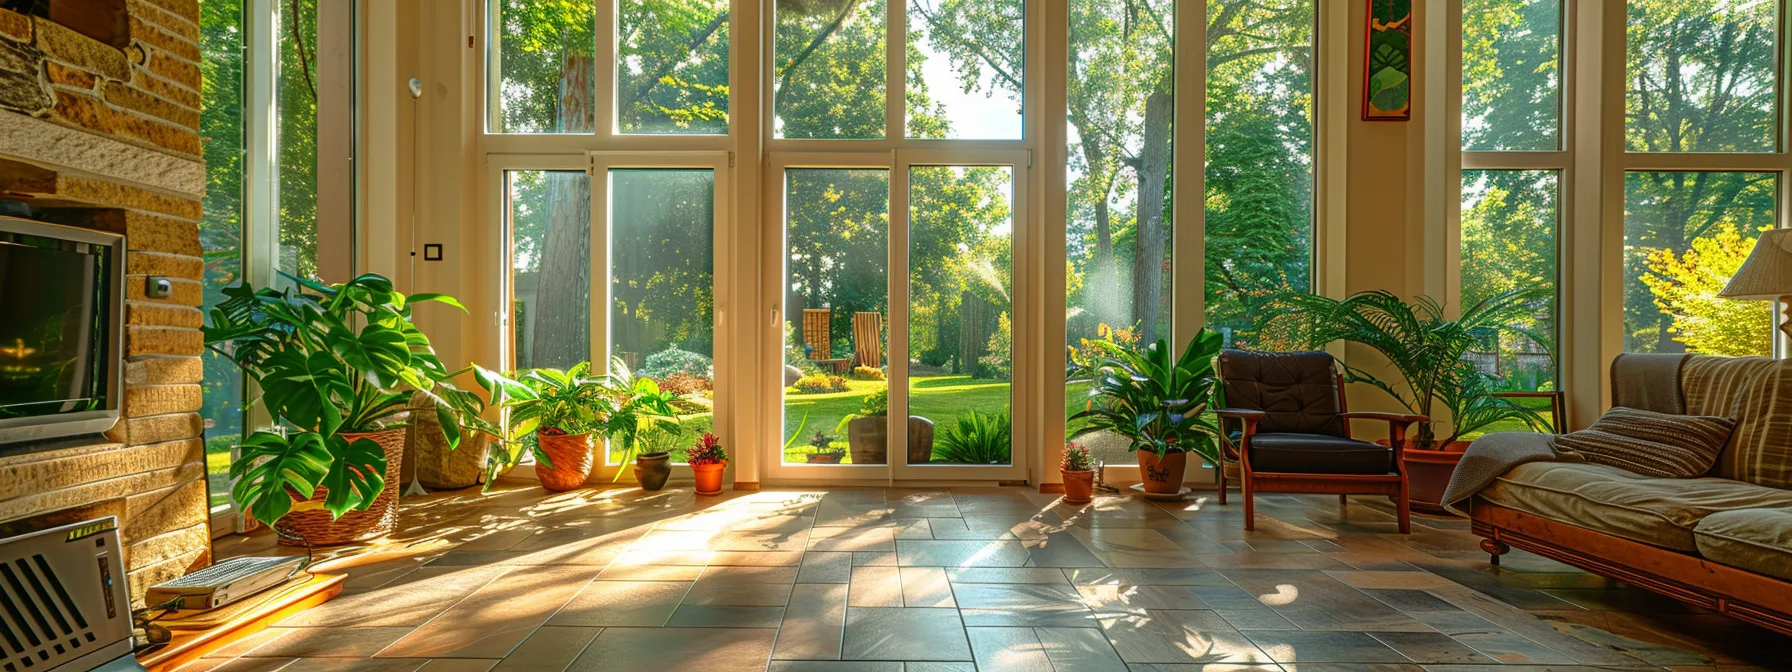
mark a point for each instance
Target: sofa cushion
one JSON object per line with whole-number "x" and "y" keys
{"x": 1758, "y": 540}
{"x": 1757, "y": 392}
{"x": 1652, "y": 444}
{"x": 1318, "y": 454}
{"x": 1658, "y": 511}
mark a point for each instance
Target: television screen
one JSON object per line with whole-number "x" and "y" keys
{"x": 54, "y": 313}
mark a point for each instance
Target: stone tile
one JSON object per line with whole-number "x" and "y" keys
{"x": 458, "y": 665}
{"x": 328, "y": 642}
{"x": 926, "y": 587}
{"x": 873, "y": 559}
{"x": 814, "y": 624}
{"x": 1005, "y": 575}
{"x": 1109, "y": 598}
{"x": 1226, "y": 597}
{"x": 1409, "y": 600}
{"x": 622, "y": 603}
{"x": 836, "y": 666}
{"x": 1291, "y": 646}
{"x": 1456, "y": 622}
{"x": 355, "y": 665}
{"x": 1391, "y": 580}
{"x": 725, "y": 616}
{"x": 238, "y": 665}
{"x": 1188, "y": 576}
{"x": 1432, "y": 648}
{"x": 411, "y": 600}
{"x": 1033, "y": 605}
{"x": 1187, "y": 637}
{"x": 825, "y": 567}
{"x": 875, "y": 587}
{"x": 1079, "y": 649}
{"x": 913, "y": 666}
{"x": 757, "y": 559}
{"x": 728, "y": 593}
{"x": 935, "y": 553}
{"x": 1315, "y": 601}
{"x": 1008, "y": 650}
{"x": 1512, "y": 649}
{"x": 550, "y": 649}
{"x": 853, "y": 539}
{"x": 973, "y": 529}
{"x": 1129, "y": 547}
{"x": 685, "y": 573}
{"x": 490, "y": 623}
{"x": 784, "y": 575}
{"x": 1254, "y": 560}
{"x": 874, "y": 633}
{"x": 677, "y": 650}
{"x": 1256, "y": 619}
{"x": 1060, "y": 549}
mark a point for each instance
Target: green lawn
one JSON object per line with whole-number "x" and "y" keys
{"x": 937, "y": 398}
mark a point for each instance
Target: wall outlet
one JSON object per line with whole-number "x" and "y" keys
{"x": 157, "y": 287}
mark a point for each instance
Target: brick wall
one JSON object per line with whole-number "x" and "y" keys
{"x": 106, "y": 137}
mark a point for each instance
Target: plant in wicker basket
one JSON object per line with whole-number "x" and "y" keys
{"x": 337, "y": 364}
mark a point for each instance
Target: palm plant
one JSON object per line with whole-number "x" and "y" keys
{"x": 975, "y": 437}
{"x": 1153, "y": 401}
{"x": 331, "y": 360}
{"x": 1427, "y": 350}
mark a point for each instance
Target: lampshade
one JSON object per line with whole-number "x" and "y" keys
{"x": 1767, "y": 274}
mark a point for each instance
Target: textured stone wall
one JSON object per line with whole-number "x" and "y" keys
{"x": 105, "y": 137}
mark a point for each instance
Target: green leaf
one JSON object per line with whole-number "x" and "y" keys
{"x": 438, "y": 298}
{"x": 307, "y": 392}
{"x": 379, "y": 353}
{"x": 358, "y": 477}
{"x": 270, "y": 464}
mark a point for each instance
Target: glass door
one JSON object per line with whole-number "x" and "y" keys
{"x": 895, "y": 324}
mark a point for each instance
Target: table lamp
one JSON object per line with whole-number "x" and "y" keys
{"x": 1767, "y": 274}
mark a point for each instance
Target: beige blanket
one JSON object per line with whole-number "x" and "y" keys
{"x": 1492, "y": 455}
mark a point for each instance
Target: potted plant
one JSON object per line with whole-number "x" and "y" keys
{"x": 824, "y": 451}
{"x": 337, "y": 365}
{"x": 867, "y": 432}
{"x": 1429, "y": 352}
{"x": 560, "y": 409}
{"x": 1157, "y": 403}
{"x": 643, "y": 426}
{"x": 1079, "y": 474}
{"x": 707, "y": 460}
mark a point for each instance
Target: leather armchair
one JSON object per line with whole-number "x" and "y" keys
{"x": 1287, "y": 429}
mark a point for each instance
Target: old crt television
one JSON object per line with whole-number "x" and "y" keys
{"x": 61, "y": 331}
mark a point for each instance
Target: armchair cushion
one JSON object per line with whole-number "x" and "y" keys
{"x": 1318, "y": 454}
{"x": 1297, "y": 391}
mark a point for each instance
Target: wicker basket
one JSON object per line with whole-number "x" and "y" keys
{"x": 571, "y": 457}
{"x": 437, "y": 466}
{"x": 309, "y": 522}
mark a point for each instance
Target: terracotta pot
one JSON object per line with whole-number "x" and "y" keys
{"x": 1428, "y": 474}
{"x": 571, "y": 457}
{"x": 1162, "y": 476}
{"x": 824, "y": 459}
{"x": 310, "y": 522}
{"x": 1079, "y": 486}
{"x": 652, "y": 469}
{"x": 709, "y": 477}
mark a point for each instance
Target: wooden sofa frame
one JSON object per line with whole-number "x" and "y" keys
{"x": 1738, "y": 593}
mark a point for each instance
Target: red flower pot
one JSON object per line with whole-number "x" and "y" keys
{"x": 1162, "y": 476}
{"x": 1079, "y": 486}
{"x": 709, "y": 477}
{"x": 1428, "y": 474}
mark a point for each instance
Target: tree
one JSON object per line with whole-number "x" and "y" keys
{"x": 1686, "y": 288}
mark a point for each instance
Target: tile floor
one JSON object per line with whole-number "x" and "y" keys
{"x": 965, "y": 579}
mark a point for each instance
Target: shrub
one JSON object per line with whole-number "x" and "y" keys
{"x": 666, "y": 362}
{"x": 867, "y": 373}
{"x": 997, "y": 363}
{"x": 684, "y": 384}
{"x": 975, "y": 437}
{"x": 820, "y": 383}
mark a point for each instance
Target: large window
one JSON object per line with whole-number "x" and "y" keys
{"x": 550, "y": 268}
{"x": 1703, "y": 85}
{"x": 828, "y": 69}
{"x": 1513, "y": 164}
{"x": 222, "y": 43}
{"x": 1259, "y": 201}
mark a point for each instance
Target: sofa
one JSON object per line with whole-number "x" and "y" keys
{"x": 1722, "y": 541}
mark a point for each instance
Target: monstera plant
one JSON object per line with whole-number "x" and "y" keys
{"x": 331, "y": 360}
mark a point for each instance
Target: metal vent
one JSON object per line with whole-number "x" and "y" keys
{"x": 39, "y": 622}
{"x": 56, "y": 589}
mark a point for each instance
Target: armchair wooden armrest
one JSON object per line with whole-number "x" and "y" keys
{"x": 1248, "y": 418}
{"x": 1397, "y": 424}
{"x": 1240, "y": 414}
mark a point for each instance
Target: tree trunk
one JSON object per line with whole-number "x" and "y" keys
{"x": 1154, "y": 174}
{"x": 973, "y": 311}
{"x": 563, "y": 299}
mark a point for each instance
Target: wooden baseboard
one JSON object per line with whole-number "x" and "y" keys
{"x": 746, "y": 486}
{"x": 190, "y": 645}
{"x": 1051, "y": 488}
{"x": 1746, "y": 596}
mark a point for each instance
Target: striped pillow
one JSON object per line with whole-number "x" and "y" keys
{"x": 1652, "y": 444}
